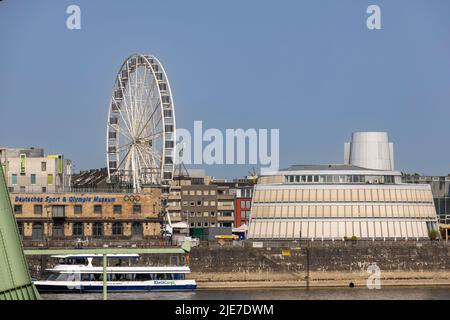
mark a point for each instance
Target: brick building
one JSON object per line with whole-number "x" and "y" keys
{"x": 53, "y": 216}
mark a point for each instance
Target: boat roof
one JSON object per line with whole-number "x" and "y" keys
{"x": 109, "y": 256}
{"x": 85, "y": 269}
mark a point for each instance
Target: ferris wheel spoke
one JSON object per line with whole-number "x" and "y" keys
{"x": 141, "y": 105}
{"x": 144, "y": 159}
{"x": 149, "y": 119}
{"x": 124, "y": 147}
{"x": 153, "y": 154}
{"x": 124, "y": 120}
{"x": 147, "y": 102}
{"x": 127, "y": 104}
{"x": 153, "y": 135}
{"x": 122, "y": 132}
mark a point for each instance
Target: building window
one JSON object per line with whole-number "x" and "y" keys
{"x": 17, "y": 208}
{"x": 44, "y": 189}
{"x": 58, "y": 229}
{"x": 38, "y": 209}
{"x": 33, "y": 179}
{"x": 245, "y": 215}
{"x": 136, "y": 208}
{"x": 97, "y": 229}
{"x": 249, "y": 204}
{"x": 20, "y": 227}
{"x": 98, "y": 208}
{"x": 50, "y": 179}
{"x": 78, "y": 209}
{"x": 43, "y": 166}
{"x": 38, "y": 231}
{"x": 117, "y": 229}
{"x": 117, "y": 209}
{"x": 213, "y": 214}
{"x": 205, "y": 224}
{"x": 22, "y": 189}
{"x": 14, "y": 179}
{"x": 77, "y": 229}
{"x": 137, "y": 229}
{"x": 58, "y": 211}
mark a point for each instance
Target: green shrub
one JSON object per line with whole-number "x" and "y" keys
{"x": 433, "y": 234}
{"x": 354, "y": 238}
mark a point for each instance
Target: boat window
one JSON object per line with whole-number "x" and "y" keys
{"x": 65, "y": 277}
{"x": 98, "y": 277}
{"x": 85, "y": 277}
{"x": 49, "y": 275}
{"x": 163, "y": 276}
{"x": 143, "y": 277}
{"x": 71, "y": 261}
{"x": 179, "y": 276}
{"x": 121, "y": 277}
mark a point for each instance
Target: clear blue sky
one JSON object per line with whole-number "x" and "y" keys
{"x": 310, "y": 68}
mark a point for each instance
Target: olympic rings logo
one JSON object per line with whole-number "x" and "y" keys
{"x": 132, "y": 198}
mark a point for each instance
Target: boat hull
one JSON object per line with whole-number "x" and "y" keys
{"x": 64, "y": 288}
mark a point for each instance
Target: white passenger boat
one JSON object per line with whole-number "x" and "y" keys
{"x": 77, "y": 273}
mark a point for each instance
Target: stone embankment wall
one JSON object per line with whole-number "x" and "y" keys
{"x": 323, "y": 256}
{"x": 321, "y": 264}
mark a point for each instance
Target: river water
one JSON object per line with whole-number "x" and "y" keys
{"x": 387, "y": 293}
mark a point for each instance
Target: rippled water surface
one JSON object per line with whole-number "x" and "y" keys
{"x": 390, "y": 293}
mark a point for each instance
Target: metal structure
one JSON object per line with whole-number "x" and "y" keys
{"x": 15, "y": 280}
{"x": 141, "y": 129}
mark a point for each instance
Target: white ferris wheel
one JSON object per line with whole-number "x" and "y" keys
{"x": 140, "y": 142}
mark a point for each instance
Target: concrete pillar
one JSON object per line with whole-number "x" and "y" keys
{"x": 47, "y": 230}
{"x": 108, "y": 229}
{"x": 88, "y": 229}
{"x": 67, "y": 229}
{"x": 127, "y": 229}
{"x": 27, "y": 229}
